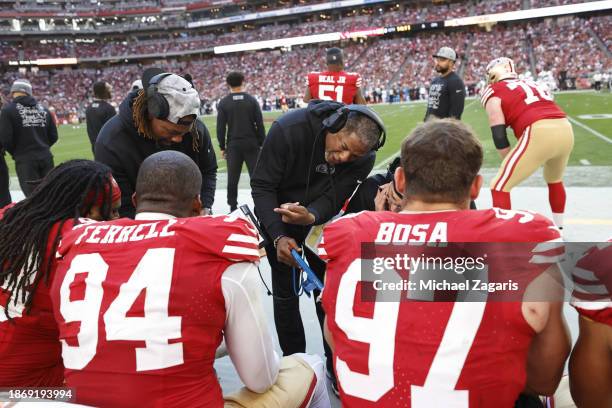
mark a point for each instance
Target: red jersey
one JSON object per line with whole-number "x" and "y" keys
{"x": 592, "y": 276}
{"x": 418, "y": 354}
{"x": 141, "y": 311}
{"x": 336, "y": 86}
{"x": 30, "y": 351}
{"x": 523, "y": 103}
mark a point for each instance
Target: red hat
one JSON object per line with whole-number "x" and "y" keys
{"x": 99, "y": 199}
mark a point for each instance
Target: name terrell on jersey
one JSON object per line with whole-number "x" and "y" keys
{"x": 117, "y": 234}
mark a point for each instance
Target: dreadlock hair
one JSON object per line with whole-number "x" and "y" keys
{"x": 68, "y": 192}
{"x": 142, "y": 121}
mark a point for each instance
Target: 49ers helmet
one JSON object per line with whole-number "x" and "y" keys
{"x": 500, "y": 68}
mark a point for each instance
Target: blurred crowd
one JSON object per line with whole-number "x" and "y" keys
{"x": 497, "y": 42}
{"x": 167, "y": 42}
{"x": 563, "y": 50}
{"x": 579, "y": 54}
{"x": 87, "y": 5}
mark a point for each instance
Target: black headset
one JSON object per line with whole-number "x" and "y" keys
{"x": 157, "y": 104}
{"x": 337, "y": 120}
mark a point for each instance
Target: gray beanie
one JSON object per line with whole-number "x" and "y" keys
{"x": 22, "y": 85}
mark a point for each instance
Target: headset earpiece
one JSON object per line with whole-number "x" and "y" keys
{"x": 157, "y": 104}
{"x": 336, "y": 121}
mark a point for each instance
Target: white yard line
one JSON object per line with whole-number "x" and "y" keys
{"x": 386, "y": 161}
{"x": 470, "y": 104}
{"x": 592, "y": 131}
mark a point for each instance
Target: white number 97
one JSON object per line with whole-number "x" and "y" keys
{"x": 379, "y": 332}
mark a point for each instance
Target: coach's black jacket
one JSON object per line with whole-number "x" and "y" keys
{"x": 284, "y": 165}
{"x": 27, "y": 130}
{"x": 123, "y": 149}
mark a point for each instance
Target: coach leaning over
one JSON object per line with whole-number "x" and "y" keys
{"x": 162, "y": 116}
{"x": 309, "y": 164}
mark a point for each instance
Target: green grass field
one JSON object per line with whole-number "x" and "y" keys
{"x": 400, "y": 119}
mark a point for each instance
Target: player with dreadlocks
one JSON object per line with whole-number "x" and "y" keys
{"x": 161, "y": 116}
{"x": 30, "y": 231}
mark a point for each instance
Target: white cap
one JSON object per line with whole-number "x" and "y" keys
{"x": 182, "y": 97}
{"x": 136, "y": 85}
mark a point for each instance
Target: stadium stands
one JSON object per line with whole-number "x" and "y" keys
{"x": 497, "y": 6}
{"x": 550, "y": 3}
{"x": 499, "y": 41}
{"x": 601, "y": 26}
{"x": 392, "y": 68}
{"x": 163, "y": 42}
{"x": 226, "y": 7}
{"x": 579, "y": 56}
{"x": 418, "y": 69}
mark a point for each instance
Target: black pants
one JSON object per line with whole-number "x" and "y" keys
{"x": 236, "y": 156}
{"x": 29, "y": 171}
{"x": 5, "y": 194}
{"x": 287, "y": 317}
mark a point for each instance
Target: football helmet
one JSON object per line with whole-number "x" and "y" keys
{"x": 500, "y": 68}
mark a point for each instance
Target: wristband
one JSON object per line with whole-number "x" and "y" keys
{"x": 276, "y": 240}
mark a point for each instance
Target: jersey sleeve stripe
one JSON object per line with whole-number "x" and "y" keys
{"x": 484, "y": 100}
{"x": 244, "y": 239}
{"x": 556, "y": 243}
{"x": 599, "y": 305}
{"x": 486, "y": 95}
{"x": 543, "y": 259}
{"x": 487, "y": 92}
{"x": 594, "y": 289}
{"x": 236, "y": 250}
{"x": 322, "y": 251}
{"x": 584, "y": 274}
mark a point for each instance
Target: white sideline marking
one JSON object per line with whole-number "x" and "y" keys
{"x": 386, "y": 161}
{"x": 585, "y": 162}
{"x": 596, "y": 116}
{"x": 469, "y": 104}
{"x": 594, "y": 132}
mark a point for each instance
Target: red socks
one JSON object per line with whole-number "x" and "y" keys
{"x": 556, "y": 198}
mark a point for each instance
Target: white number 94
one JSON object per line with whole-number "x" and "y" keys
{"x": 155, "y": 328}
